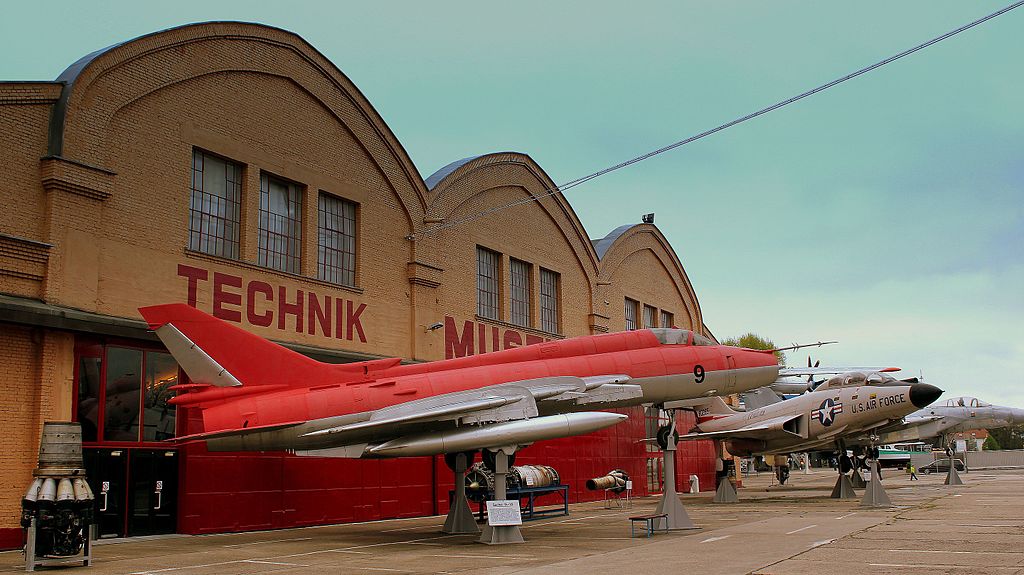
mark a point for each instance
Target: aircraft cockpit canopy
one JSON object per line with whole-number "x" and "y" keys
{"x": 672, "y": 336}
{"x": 858, "y": 378}
{"x": 966, "y": 402}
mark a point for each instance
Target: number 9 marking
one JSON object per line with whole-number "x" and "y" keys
{"x": 698, "y": 373}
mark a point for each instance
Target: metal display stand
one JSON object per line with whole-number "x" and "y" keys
{"x": 619, "y": 500}
{"x": 500, "y": 534}
{"x": 676, "y": 517}
{"x": 843, "y": 488}
{"x": 726, "y": 492}
{"x": 953, "y": 478}
{"x": 460, "y": 516}
{"x": 874, "y": 493}
{"x": 530, "y": 511}
{"x": 32, "y": 560}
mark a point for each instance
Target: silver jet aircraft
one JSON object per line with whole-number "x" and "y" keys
{"x": 957, "y": 415}
{"x": 850, "y": 404}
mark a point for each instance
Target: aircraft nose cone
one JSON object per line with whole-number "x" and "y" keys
{"x": 922, "y": 394}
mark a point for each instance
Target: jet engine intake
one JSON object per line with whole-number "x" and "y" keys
{"x": 614, "y": 481}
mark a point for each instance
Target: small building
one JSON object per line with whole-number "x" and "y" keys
{"x": 233, "y": 167}
{"x": 971, "y": 440}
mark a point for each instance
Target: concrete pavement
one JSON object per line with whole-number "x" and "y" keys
{"x": 977, "y": 528}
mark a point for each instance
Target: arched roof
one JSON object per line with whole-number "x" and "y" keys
{"x": 602, "y": 245}
{"x": 435, "y": 178}
{"x": 488, "y": 172}
{"x": 626, "y": 240}
{"x": 75, "y": 128}
{"x": 78, "y": 124}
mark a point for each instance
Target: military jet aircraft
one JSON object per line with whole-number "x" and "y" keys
{"x": 957, "y": 415}
{"x": 791, "y": 382}
{"x": 843, "y": 406}
{"x": 256, "y": 395}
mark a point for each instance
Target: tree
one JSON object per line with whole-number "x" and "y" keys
{"x": 753, "y": 341}
{"x": 990, "y": 444}
{"x": 1008, "y": 437}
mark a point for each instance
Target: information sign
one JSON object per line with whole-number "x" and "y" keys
{"x": 504, "y": 512}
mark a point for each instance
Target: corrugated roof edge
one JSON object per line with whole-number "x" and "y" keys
{"x": 441, "y": 174}
{"x": 602, "y": 245}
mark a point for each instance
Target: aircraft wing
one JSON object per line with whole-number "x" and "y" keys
{"x": 907, "y": 423}
{"x": 479, "y": 412}
{"x": 768, "y": 429}
{"x": 798, "y": 371}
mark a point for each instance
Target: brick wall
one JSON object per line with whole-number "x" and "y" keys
{"x": 20, "y": 405}
{"x": 103, "y": 224}
{"x": 115, "y": 205}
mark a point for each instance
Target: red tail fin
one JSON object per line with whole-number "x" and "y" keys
{"x": 248, "y": 358}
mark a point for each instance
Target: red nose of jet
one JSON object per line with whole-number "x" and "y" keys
{"x": 922, "y": 394}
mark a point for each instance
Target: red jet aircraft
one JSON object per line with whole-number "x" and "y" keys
{"x": 257, "y": 395}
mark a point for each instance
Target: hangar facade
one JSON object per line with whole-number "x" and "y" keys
{"x": 233, "y": 167}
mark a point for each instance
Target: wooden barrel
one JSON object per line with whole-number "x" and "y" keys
{"x": 60, "y": 449}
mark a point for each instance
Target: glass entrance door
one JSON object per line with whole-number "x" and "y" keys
{"x": 154, "y": 481}
{"x": 107, "y": 473}
{"x": 136, "y": 490}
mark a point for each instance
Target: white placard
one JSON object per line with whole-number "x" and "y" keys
{"x": 504, "y": 512}
{"x": 629, "y": 485}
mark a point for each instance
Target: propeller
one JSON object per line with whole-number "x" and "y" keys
{"x": 811, "y": 384}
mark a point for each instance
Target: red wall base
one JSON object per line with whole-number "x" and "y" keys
{"x": 224, "y": 492}
{"x": 12, "y": 538}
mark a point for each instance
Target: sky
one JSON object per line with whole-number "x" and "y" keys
{"x": 885, "y": 213}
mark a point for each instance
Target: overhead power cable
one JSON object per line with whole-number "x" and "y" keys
{"x": 573, "y": 183}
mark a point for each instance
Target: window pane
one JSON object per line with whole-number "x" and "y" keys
{"x": 667, "y": 319}
{"x": 158, "y": 417}
{"x": 89, "y": 396}
{"x": 520, "y": 284}
{"x": 124, "y": 380}
{"x": 549, "y": 301}
{"x": 336, "y": 240}
{"x": 214, "y": 207}
{"x": 632, "y": 310}
{"x": 487, "y": 283}
{"x": 650, "y": 314}
{"x": 280, "y": 225}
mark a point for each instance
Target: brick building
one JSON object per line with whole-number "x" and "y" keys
{"x": 233, "y": 167}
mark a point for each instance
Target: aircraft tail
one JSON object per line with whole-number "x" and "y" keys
{"x": 214, "y": 352}
{"x": 706, "y": 408}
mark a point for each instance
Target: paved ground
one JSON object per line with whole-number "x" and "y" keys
{"x": 977, "y": 528}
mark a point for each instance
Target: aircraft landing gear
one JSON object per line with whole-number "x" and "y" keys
{"x": 725, "y": 492}
{"x": 460, "y": 518}
{"x": 676, "y": 517}
{"x": 501, "y": 534}
{"x": 859, "y": 462}
{"x": 843, "y": 488}
{"x": 874, "y": 493}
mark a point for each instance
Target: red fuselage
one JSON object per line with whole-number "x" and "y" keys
{"x": 665, "y": 372}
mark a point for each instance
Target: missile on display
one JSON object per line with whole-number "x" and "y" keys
{"x": 521, "y": 432}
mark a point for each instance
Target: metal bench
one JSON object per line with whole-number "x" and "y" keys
{"x": 648, "y": 521}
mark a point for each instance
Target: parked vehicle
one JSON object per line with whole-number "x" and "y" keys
{"x": 942, "y": 466}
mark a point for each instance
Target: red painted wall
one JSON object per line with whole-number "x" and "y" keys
{"x": 249, "y": 491}
{"x": 12, "y": 538}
